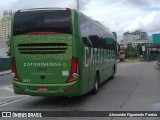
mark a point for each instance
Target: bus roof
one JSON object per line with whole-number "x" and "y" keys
{"x": 49, "y": 8}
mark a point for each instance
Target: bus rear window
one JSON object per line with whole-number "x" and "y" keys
{"x": 42, "y": 21}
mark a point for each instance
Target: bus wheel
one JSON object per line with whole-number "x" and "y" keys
{"x": 96, "y": 85}
{"x": 113, "y": 72}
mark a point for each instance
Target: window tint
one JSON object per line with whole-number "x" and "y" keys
{"x": 43, "y": 21}
{"x": 95, "y": 36}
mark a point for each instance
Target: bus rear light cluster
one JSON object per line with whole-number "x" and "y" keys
{"x": 14, "y": 70}
{"x": 74, "y": 74}
{"x": 68, "y": 88}
{"x": 23, "y": 90}
{"x": 19, "y": 11}
{"x": 69, "y": 9}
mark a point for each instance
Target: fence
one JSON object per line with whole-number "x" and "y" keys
{"x": 152, "y": 57}
{"x": 152, "y": 52}
{"x": 5, "y": 64}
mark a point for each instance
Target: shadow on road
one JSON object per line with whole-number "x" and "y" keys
{"x": 64, "y": 103}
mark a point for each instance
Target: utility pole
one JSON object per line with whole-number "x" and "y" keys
{"x": 77, "y": 4}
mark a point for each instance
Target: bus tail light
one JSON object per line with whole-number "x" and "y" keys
{"x": 14, "y": 70}
{"x": 74, "y": 74}
{"x": 69, "y": 9}
{"x": 19, "y": 11}
{"x": 68, "y": 88}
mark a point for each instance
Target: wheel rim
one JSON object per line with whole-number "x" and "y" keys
{"x": 96, "y": 85}
{"x": 113, "y": 70}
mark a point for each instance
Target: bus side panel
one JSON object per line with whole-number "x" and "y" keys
{"x": 11, "y": 38}
{"x": 78, "y": 51}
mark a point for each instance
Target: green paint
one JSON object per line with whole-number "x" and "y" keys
{"x": 28, "y": 39}
{"x": 156, "y": 38}
{"x": 52, "y": 70}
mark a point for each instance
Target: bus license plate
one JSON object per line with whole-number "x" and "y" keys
{"x": 42, "y": 89}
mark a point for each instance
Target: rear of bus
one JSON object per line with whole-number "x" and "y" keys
{"x": 43, "y": 63}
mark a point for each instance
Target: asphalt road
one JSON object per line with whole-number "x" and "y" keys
{"x": 136, "y": 87}
{"x": 5, "y": 79}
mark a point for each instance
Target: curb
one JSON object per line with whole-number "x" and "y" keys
{"x": 5, "y": 72}
{"x": 158, "y": 66}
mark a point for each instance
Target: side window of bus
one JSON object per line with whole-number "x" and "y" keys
{"x": 84, "y": 31}
{"x": 95, "y": 36}
{"x": 86, "y": 40}
{"x": 110, "y": 44}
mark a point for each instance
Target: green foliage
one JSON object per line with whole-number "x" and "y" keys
{"x": 133, "y": 52}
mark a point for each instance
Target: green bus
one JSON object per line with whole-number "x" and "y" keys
{"x": 60, "y": 52}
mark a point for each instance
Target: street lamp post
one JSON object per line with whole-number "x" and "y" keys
{"x": 78, "y": 4}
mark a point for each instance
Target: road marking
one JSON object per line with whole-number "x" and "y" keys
{"x": 158, "y": 66}
{"x": 5, "y": 72}
{"x": 7, "y": 103}
{"x": 12, "y": 96}
{"x": 7, "y": 88}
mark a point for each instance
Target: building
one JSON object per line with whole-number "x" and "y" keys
{"x": 156, "y": 38}
{"x": 142, "y": 35}
{"x": 3, "y": 48}
{"x": 150, "y": 39}
{"x": 138, "y": 36}
{"x": 5, "y": 30}
{"x": 5, "y": 25}
{"x": 129, "y": 37}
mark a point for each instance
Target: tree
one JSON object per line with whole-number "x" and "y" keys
{"x": 133, "y": 52}
{"x": 139, "y": 48}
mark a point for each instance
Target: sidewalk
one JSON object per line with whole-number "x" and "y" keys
{"x": 5, "y": 72}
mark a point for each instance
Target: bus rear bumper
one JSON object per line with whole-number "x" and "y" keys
{"x": 67, "y": 89}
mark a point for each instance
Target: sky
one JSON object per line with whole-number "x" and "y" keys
{"x": 118, "y": 15}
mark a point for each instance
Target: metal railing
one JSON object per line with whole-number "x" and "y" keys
{"x": 158, "y": 63}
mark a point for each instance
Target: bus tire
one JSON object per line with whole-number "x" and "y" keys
{"x": 96, "y": 85}
{"x": 113, "y": 73}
